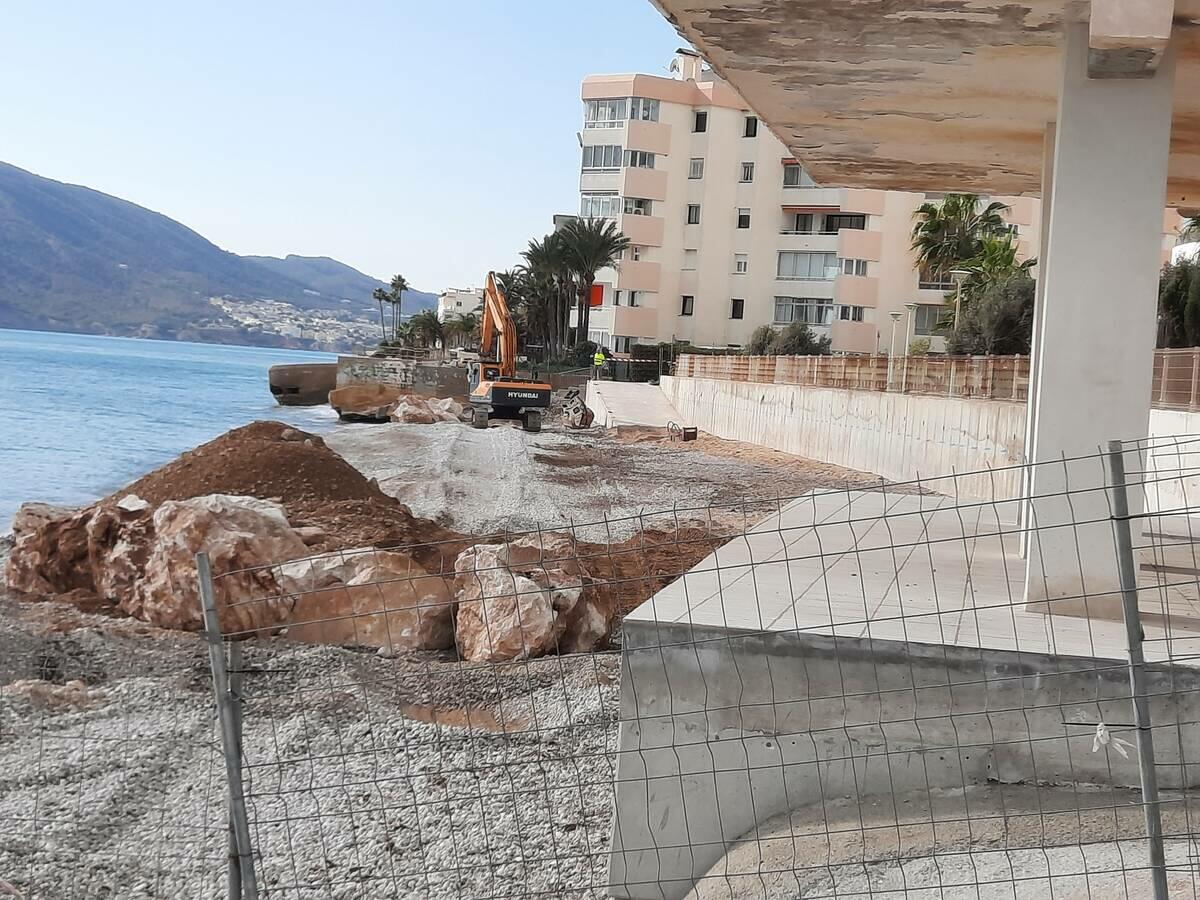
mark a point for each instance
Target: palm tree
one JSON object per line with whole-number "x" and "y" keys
{"x": 551, "y": 282}
{"x": 590, "y": 245}
{"x": 396, "y": 297}
{"x": 950, "y": 232}
{"x": 462, "y": 329}
{"x": 381, "y": 296}
{"x": 1191, "y": 229}
{"x": 426, "y": 328}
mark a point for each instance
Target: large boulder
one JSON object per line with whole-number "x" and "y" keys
{"x": 412, "y": 411}
{"x": 371, "y": 598}
{"x": 119, "y": 537}
{"x": 365, "y": 402}
{"x": 502, "y": 615}
{"x": 244, "y": 538}
{"x": 526, "y": 598}
{"x": 50, "y": 550}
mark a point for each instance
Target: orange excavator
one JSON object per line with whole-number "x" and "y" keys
{"x": 496, "y": 391}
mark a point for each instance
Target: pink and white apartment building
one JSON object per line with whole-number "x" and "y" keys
{"x": 728, "y": 231}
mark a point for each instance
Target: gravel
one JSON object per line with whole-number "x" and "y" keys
{"x": 503, "y": 478}
{"x": 367, "y": 776}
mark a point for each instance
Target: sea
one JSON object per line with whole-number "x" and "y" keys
{"x": 81, "y": 415}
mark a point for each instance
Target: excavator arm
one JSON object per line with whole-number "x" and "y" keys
{"x": 496, "y": 391}
{"x": 498, "y": 325}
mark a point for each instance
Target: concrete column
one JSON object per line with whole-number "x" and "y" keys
{"x": 1039, "y": 307}
{"x": 1097, "y": 329}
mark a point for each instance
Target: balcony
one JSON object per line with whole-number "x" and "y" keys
{"x": 807, "y": 240}
{"x": 652, "y": 136}
{"x": 635, "y": 321}
{"x": 802, "y": 198}
{"x": 600, "y": 180}
{"x": 854, "y": 337}
{"x": 853, "y": 243}
{"x": 867, "y": 202}
{"x": 796, "y": 287}
{"x": 648, "y": 184}
{"x": 856, "y": 290}
{"x": 644, "y": 230}
{"x": 639, "y": 275}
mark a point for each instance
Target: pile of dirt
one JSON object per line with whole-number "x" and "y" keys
{"x": 273, "y": 461}
{"x": 632, "y": 571}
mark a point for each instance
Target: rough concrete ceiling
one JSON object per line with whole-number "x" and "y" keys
{"x": 925, "y": 95}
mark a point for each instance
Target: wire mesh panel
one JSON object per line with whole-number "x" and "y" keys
{"x": 895, "y": 691}
{"x": 110, "y": 772}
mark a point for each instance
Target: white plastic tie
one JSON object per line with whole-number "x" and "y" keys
{"x": 1105, "y": 738}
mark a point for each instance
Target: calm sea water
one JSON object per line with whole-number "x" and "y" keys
{"x": 81, "y": 415}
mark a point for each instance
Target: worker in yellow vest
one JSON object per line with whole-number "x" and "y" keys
{"x": 598, "y": 361}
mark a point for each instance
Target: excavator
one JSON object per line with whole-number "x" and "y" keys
{"x": 496, "y": 391}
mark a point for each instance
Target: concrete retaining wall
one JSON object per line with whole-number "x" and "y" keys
{"x": 722, "y": 730}
{"x": 370, "y": 370}
{"x": 898, "y": 436}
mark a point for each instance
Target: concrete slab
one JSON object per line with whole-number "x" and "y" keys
{"x": 627, "y": 403}
{"x": 912, "y": 568}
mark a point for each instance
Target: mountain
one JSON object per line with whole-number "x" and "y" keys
{"x": 75, "y": 259}
{"x": 336, "y": 279}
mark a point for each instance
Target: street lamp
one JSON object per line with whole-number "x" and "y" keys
{"x": 959, "y": 276}
{"x": 896, "y": 314}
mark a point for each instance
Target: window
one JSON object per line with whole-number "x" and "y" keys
{"x": 741, "y": 263}
{"x": 687, "y": 305}
{"x": 810, "y": 311}
{"x": 693, "y": 214}
{"x": 802, "y": 266}
{"x": 750, "y": 130}
{"x": 747, "y": 172}
{"x": 925, "y": 319}
{"x": 794, "y": 176}
{"x": 701, "y": 123}
{"x": 644, "y": 109}
{"x": 854, "y": 267}
{"x": 635, "y": 252}
{"x": 604, "y": 113}
{"x": 634, "y": 298}
{"x": 639, "y": 159}
{"x": 800, "y": 223}
{"x": 851, "y": 314}
{"x": 621, "y": 344}
{"x": 600, "y": 205}
{"x": 737, "y": 308}
{"x": 602, "y": 156}
{"x": 932, "y": 280}
{"x": 696, "y": 169}
{"x": 689, "y": 260}
{"x": 616, "y": 298}
{"x": 836, "y": 221}
{"x": 635, "y": 206}
{"x": 743, "y": 218}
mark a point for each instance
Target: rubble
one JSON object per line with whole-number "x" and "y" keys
{"x": 365, "y": 402}
{"x": 413, "y": 410}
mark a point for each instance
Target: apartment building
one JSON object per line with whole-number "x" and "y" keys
{"x": 728, "y": 231}
{"x": 459, "y": 302}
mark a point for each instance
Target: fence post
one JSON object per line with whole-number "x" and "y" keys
{"x": 1163, "y": 377}
{"x": 241, "y": 875}
{"x": 1127, "y": 570}
{"x": 1195, "y": 378}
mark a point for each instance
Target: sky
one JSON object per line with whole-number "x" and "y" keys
{"x": 428, "y": 139}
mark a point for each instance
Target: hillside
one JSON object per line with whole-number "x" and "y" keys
{"x": 75, "y": 259}
{"x": 335, "y": 279}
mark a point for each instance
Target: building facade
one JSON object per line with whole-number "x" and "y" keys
{"x": 729, "y": 233}
{"x": 459, "y": 302}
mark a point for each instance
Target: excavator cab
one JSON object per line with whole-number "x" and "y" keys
{"x": 496, "y": 391}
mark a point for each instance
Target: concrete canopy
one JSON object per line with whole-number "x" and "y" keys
{"x": 935, "y": 95}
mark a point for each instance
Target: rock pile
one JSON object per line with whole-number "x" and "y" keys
{"x": 304, "y": 545}
{"x": 384, "y": 402}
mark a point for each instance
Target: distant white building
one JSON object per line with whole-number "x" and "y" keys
{"x": 459, "y": 302}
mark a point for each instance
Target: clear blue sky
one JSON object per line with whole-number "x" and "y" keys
{"x": 432, "y": 139}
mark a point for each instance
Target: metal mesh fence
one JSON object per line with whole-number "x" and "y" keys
{"x": 892, "y": 691}
{"x": 110, "y": 778}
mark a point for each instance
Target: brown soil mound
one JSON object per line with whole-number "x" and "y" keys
{"x": 316, "y": 486}
{"x": 632, "y": 571}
